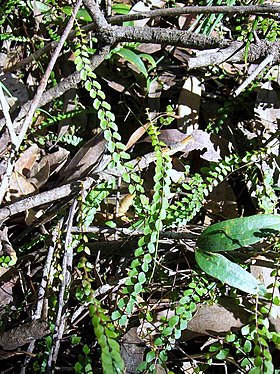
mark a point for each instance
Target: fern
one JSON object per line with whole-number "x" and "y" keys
{"x": 8, "y": 36}
{"x": 180, "y": 312}
{"x": 200, "y": 186}
{"x": 103, "y": 327}
{"x": 143, "y": 267}
{"x": 103, "y": 108}
{"x": 104, "y": 330}
{"x": 106, "y": 335}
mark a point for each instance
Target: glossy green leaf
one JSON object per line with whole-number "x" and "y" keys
{"x": 238, "y": 232}
{"x": 173, "y": 321}
{"x": 228, "y": 272}
{"x": 149, "y": 58}
{"x": 81, "y": 15}
{"x": 121, "y": 8}
{"x": 107, "y": 363}
{"x": 86, "y": 349}
{"x": 150, "y": 356}
{"x": 42, "y": 7}
{"x": 134, "y": 59}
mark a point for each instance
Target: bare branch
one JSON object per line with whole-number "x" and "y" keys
{"x": 96, "y": 14}
{"x": 100, "y": 21}
{"x": 216, "y": 56}
{"x": 70, "y": 82}
{"x": 67, "y": 264}
{"x": 34, "y": 56}
{"x": 35, "y": 103}
{"x": 44, "y": 198}
{"x": 242, "y": 9}
{"x": 268, "y": 60}
{"x": 45, "y": 282}
{"x": 5, "y": 109}
{"x": 187, "y": 232}
{"x": 178, "y": 38}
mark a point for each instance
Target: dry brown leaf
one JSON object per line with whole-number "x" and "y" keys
{"x": 86, "y": 159}
{"x": 189, "y": 105}
{"x": 132, "y": 350}
{"x": 125, "y": 204}
{"x": 181, "y": 54}
{"x": 137, "y": 135}
{"x": 216, "y": 320}
{"x": 56, "y": 160}
{"x": 29, "y": 175}
{"x": 19, "y": 184}
{"x": 200, "y": 141}
{"x": 39, "y": 177}
{"x": 149, "y": 48}
{"x": 8, "y": 280}
{"x": 27, "y": 160}
{"x": 24, "y": 334}
{"x": 141, "y": 7}
{"x": 208, "y": 320}
{"x": 267, "y": 112}
{"x": 221, "y": 202}
{"x": 116, "y": 86}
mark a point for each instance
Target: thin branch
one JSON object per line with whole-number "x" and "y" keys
{"x": 162, "y": 36}
{"x": 48, "y": 47}
{"x": 187, "y": 232}
{"x": 179, "y": 38}
{"x": 242, "y": 9}
{"x": 96, "y": 14}
{"x": 44, "y": 198}
{"x": 35, "y": 103}
{"x": 34, "y": 56}
{"x": 45, "y": 281}
{"x": 268, "y": 60}
{"x": 246, "y": 9}
{"x": 70, "y": 82}
{"x": 67, "y": 264}
{"x": 216, "y": 56}
{"x": 8, "y": 173}
{"x": 9, "y": 123}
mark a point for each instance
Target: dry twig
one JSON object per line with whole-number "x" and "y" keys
{"x": 35, "y": 103}
{"x": 67, "y": 264}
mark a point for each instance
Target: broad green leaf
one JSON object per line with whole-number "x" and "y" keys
{"x": 86, "y": 349}
{"x": 228, "y": 272}
{"x": 238, "y": 232}
{"x": 81, "y": 15}
{"x": 173, "y": 321}
{"x": 150, "y": 356}
{"x": 148, "y": 58}
{"x": 42, "y": 7}
{"x": 134, "y": 59}
{"x": 121, "y": 8}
